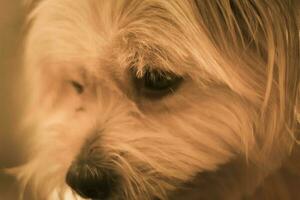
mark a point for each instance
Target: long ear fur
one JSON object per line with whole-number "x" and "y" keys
{"x": 267, "y": 33}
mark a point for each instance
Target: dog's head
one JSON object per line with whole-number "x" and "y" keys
{"x": 128, "y": 99}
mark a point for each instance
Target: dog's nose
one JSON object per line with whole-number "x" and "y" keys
{"x": 89, "y": 181}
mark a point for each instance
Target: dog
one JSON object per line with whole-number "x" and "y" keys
{"x": 138, "y": 99}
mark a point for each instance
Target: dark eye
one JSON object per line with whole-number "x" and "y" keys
{"x": 79, "y": 88}
{"x": 157, "y": 83}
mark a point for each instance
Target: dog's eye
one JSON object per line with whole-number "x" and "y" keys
{"x": 157, "y": 83}
{"x": 79, "y": 88}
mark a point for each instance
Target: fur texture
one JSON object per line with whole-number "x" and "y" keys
{"x": 239, "y": 61}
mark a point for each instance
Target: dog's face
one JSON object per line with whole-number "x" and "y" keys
{"x": 130, "y": 99}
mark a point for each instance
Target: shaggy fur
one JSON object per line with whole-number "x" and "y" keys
{"x": 236, "y": 105}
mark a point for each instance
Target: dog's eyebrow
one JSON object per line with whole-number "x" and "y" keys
{"x": 155, "y": 58}
{"x": 141, "y": 70}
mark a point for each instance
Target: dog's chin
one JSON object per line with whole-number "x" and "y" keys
{"x": 218, "y": 182}
{"x": 233, "y": 180}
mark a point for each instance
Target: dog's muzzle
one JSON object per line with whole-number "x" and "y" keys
{"x": 90, "y": 182}
{"x": 87, "y": 177}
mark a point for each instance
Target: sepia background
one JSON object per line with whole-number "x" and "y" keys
{"x": 11, "y": 17}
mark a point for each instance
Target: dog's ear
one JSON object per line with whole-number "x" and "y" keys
{"x": 265, "y": 37}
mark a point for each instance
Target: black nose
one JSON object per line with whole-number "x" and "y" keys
{"x": 90, "y": 181}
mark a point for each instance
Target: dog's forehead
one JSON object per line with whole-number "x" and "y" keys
{"x": 162, "y": 34}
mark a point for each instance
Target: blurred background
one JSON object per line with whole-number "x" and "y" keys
{"x": 11, "y": 20}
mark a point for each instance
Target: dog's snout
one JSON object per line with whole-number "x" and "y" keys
{"x": 90, "y": 181}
